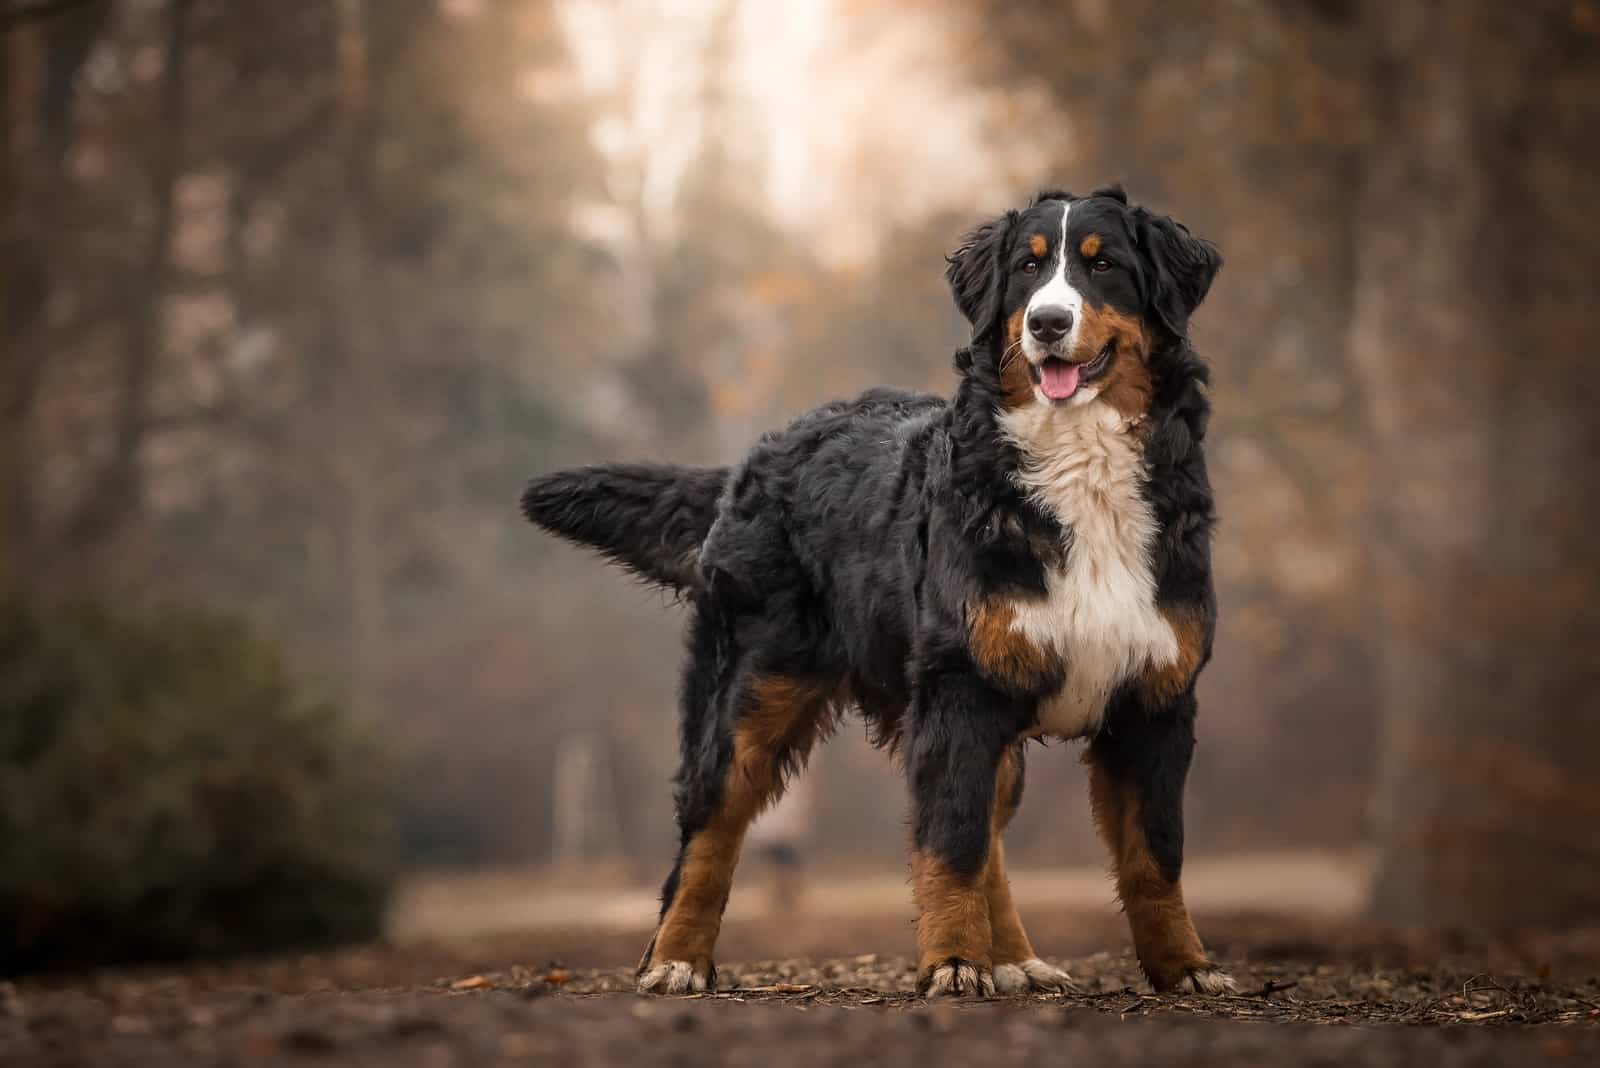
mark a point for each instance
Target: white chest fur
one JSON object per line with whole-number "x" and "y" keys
{"x": 1082, "y": 463}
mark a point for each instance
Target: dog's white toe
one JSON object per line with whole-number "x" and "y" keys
{"x": 959, "y": 979}
{"x": 1031, "y": 976}
{"x": 674, "y": 977}
{"x": 1207, "y": 981}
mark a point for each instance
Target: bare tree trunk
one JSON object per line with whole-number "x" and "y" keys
{"x": 1488, "y": 792}
{"x": 10, "y": 438}
{"x": 357, "y": 382}
{"x": 115, "y": 493}
{"x": 32, "y": 206}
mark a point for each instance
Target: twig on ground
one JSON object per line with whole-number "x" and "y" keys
{"x": 1581, "y": 1000}
{"x": 1474, "y": 1017}
{"x": 1271, "y": 987}
{"x": 1127, "y": 990}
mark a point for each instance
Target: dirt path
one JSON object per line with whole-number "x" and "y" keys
{"x": 1317, "y": 991}
{"x": 506, "y": 969}
{"x": 506, "y": 1028}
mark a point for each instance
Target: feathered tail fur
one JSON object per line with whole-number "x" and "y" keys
{"x": 650, "y": 518}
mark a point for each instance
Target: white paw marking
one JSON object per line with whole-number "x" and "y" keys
{"x": 957, "y": 980}
{"x": 1208, "y": 981}
{"x": 1031, "y": 976}
{"x": 1010, "y": 979}
{"x": 673, "y": 977}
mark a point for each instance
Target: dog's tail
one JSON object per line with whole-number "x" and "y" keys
{"x": 650, "y": 518}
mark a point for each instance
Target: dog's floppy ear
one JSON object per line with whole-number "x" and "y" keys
{"x": 976, "y": 272}
{"x": 1184, "y": 266}
{"x": 1114, "y": 191}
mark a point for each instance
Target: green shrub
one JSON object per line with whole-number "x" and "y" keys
{"x": 167, "y": 791}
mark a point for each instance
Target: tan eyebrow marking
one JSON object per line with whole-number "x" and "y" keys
{"x": 1038, "y": 245}
{"x": 1090, "y": 246}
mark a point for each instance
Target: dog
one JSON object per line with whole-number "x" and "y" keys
{"x": 1028, "y": 558}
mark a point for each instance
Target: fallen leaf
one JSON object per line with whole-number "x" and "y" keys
{"x": 472, "y": 982}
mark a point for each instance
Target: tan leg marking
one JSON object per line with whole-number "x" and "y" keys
{"x": 1010, "y": 941}
{"x": 1017, "y": 968}
{"x": 1164, "y": 937}
{"x": 953, "y": 933}
{"x": 782, "y": 721}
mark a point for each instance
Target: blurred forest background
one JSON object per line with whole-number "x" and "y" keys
{"x": 297, "y": 294}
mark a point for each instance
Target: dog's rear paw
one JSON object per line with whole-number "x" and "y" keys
{"x": 677, "y": 977}
{"x": 958, "y": 978}
{"x": 1031, "y": 976}
{"x": 1207, "y": 980}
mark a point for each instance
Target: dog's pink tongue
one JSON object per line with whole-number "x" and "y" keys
{"x": 1058, "y": 379}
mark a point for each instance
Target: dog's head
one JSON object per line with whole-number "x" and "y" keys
{"x": 1068, "y": 298}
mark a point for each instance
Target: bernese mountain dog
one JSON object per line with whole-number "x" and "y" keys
{"x": 1027, "y": 558}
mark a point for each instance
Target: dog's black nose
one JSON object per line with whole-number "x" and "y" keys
{"x": 1050, "y": 324}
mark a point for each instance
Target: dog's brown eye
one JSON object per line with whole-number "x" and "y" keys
{"x": 1031, "y": 267}
{"x": 1100, "y": 266}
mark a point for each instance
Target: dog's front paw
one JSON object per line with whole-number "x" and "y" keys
{"x": 1032, "y": 976}
{"x": 678, "y": 977}
{"x": 956, "y": 978}
{"x": 1207, "y": 980}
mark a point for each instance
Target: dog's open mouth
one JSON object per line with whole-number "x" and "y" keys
{"x": 1059, "y": 379}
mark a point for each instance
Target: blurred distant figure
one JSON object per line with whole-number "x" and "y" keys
{"x": 780, "y": 839}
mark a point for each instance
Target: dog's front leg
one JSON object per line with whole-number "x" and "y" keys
{"x": 1137, "y": 767}
{"x": 958, "y": 735}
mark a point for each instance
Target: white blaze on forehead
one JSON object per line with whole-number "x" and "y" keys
{"x": 1056, "y": 291}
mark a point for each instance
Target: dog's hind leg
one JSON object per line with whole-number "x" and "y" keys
{"x": 739, "y": 745}
{"x": 1017, "y": 968}
{"x": 1137, "y": 767}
